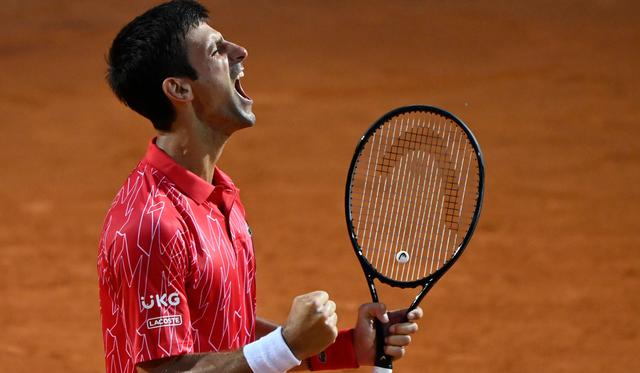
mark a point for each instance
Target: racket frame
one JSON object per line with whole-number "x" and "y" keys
{"x": 370, "y": 272}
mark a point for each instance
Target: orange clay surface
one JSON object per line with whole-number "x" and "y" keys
{"x": 551, "y": 279}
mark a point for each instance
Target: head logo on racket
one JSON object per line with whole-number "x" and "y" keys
{"x": 402, "y": 257}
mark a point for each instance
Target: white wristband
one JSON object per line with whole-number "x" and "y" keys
{"x": 270, "y": 354}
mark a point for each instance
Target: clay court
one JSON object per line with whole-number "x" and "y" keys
{"x": 551, "y": 280}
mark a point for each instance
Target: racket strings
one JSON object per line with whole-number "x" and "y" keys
{"x": 409, "y": 199}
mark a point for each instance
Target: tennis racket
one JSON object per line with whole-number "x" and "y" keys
{"x": 413, "y": 197}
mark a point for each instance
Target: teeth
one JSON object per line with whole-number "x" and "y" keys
{"x": 238, "y": 75}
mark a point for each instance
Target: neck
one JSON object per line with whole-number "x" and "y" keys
{"x": 195, "y": 147}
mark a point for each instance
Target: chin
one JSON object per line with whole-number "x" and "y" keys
{"x": 251, "y": 119}
{"x": 247, "y": 123}
{"x": 240, "y": 121}
{"x": 246, "y": 117}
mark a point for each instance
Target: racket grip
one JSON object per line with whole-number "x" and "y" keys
{"x": 382, "y": 361}
{"x": 381, "y": 370}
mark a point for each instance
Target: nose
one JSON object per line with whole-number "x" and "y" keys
{"x": 237, "y": 53}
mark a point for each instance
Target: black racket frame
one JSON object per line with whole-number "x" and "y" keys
{"x": 370, "y": 272}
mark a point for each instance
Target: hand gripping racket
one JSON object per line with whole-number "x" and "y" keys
{"x": 413, "y": 197}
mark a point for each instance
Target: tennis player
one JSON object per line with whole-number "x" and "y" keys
{"x": 176, "y": 264}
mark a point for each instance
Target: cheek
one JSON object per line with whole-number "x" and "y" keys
{"x": 210, "y": 95}
{"x": 210, "y": 82}
{"x": 214, "y": 70}
{"x": 212, "y": 88}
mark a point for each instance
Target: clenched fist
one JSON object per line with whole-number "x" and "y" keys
{"x": 311, "y": 324}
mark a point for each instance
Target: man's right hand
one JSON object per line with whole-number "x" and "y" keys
{"x": 311, "y": 325}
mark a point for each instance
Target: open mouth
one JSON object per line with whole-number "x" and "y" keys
{"x": 239, "y": 89}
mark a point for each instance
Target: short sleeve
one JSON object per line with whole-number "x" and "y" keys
{"x": 150, "y": 264}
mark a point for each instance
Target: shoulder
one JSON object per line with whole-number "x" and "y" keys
{"x": 143, "y": 211}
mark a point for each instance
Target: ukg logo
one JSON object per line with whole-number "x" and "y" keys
{"x": 160, "y": 300}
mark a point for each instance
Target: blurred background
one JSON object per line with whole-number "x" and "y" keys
{"x": 551, "y": 279}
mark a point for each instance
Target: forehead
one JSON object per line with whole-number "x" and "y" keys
{"x": 202, "y": 37}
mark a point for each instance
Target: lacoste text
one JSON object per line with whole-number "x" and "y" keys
{"x": 159, "y": 322}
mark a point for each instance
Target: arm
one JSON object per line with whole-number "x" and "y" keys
{"x": 309, "y": 329}
{"x": 264, "y": 327}
{"x": 232, "y": 362}
{"x": 364, "y": 344}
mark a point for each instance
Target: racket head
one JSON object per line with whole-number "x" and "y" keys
{"x": 404, "y": 189}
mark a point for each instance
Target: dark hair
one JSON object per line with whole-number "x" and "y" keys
{"x": 148, "y": 50}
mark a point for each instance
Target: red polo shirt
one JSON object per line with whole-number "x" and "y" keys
{"x": 175, "y": 265}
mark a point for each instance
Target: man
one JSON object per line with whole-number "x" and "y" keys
{"x": 176, "y": 264}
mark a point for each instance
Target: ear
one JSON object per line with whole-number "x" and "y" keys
{"x": 177, "y": 89}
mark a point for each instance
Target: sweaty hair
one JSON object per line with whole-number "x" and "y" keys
{"x": 148, "y": 50}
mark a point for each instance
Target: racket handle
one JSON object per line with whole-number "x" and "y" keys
{"x": 381, "y": 370}
{"x": 382, "y": 362}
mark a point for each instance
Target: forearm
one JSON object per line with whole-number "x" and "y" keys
{"x": 232, "y": 362}
{"x": 270, "y": 352}
{"x": 264, "y": 327}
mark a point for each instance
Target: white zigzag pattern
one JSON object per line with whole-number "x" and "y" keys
{"x": 197, "y": 258}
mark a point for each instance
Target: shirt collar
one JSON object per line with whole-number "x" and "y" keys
{"x": 222, "y": 191}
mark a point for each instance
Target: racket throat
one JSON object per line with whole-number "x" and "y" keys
{"x": 420, "y": 296}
